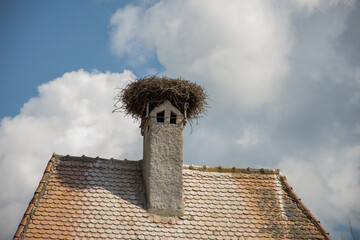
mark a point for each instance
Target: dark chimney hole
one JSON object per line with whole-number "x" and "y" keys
{"x": 172, "y": 118}
{"x": 160, "y": 117}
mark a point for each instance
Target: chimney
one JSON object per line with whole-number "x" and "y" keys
{"x": 162, "y": 130}
{"x": 164, "y": 105}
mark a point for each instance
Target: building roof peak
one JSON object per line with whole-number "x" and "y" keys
{"x": 103, "y": 198}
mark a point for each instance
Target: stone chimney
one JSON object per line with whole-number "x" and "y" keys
{"x": 163, "y": 104}
{"x": 162, "y": 129}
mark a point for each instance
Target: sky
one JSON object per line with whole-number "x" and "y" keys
{"x": 283, "y": 79}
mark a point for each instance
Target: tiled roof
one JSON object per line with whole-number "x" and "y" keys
{"x": 84, "y": 198}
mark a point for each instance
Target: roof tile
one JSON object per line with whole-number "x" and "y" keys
{"x": 96, "y": 198}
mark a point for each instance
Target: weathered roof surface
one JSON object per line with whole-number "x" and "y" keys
{"x": 80, "y": 197}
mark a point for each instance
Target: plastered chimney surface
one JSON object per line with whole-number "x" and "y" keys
{"x": 163, "y": 161}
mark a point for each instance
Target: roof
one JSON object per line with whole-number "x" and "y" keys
{"x": 81, "y": 197}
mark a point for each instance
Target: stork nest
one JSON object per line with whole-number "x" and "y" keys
{"x": 154, "y": 90}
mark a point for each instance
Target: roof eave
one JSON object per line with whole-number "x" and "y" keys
{"x": 21, "y": 230}
{"x": 302, "y": 206}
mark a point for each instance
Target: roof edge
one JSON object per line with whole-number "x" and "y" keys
{"x": 221, "y": 169}
{"x": 21, "y": 230}
{"x": 84, "y": 158}
{"x": 302, "y": 206}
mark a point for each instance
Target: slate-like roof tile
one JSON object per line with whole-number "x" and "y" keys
{"x": 81, "y": 197}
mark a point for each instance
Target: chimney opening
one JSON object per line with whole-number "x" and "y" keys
{"x": 172, "y": 118}
{"x": 160, "y": 116}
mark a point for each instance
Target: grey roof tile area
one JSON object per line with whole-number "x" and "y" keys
{"x": 92, "y": 198}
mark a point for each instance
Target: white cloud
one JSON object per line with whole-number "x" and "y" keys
{"x": 72, "y": 115}
{"x": 312, "y": 5}
{"x": 127, "y": 26}
{"x": 249, "y": 138}
{"x": 217, "y": 43}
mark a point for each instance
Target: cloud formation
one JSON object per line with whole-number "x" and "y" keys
{"x": 313, "y": 5}
{"x": 189, "y": 37}
{"x": 72, "y": 115}
{"x": 284, "y": 77}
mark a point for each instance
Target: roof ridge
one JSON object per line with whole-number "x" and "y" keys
{"x": 234, "y": 169}
{"x": 203, "y": 168}
{"x": 19, "y": 234}
{"x": 301, "y": 205}
{"x": 84, "y": 158}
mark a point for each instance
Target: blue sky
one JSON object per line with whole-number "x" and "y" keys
{"x": 41, "y": 40}
{"x": 283, "y": 78}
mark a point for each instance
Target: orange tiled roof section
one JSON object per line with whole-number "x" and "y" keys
{"x": 81, "y": 197}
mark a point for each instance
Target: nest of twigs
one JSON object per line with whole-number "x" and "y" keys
{"x": 154, "y": 90}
